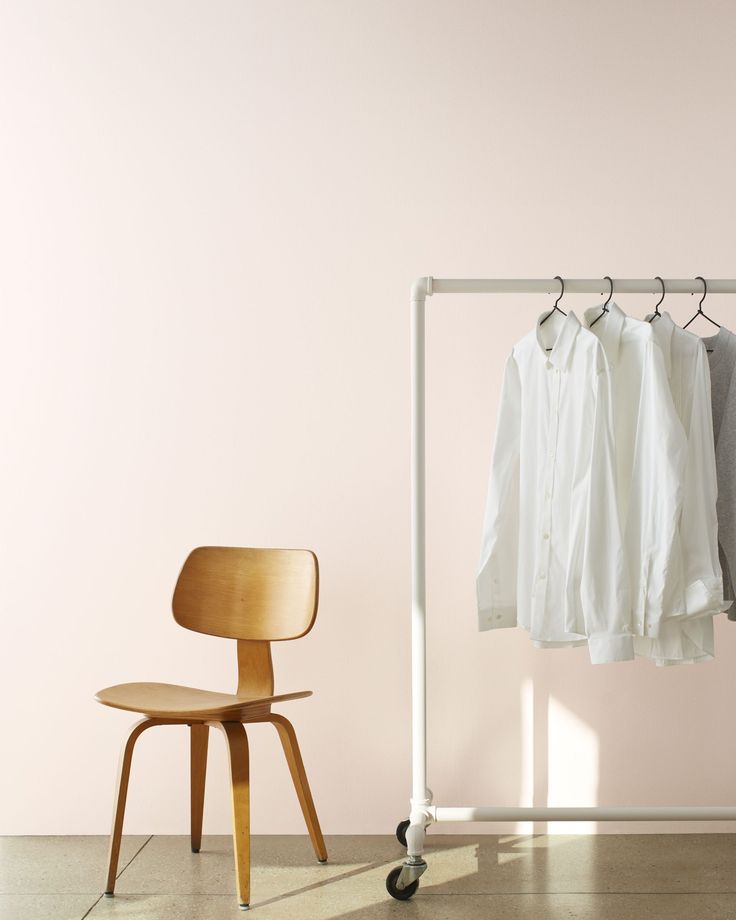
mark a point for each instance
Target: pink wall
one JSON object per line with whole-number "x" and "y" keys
{"x": 211, "y": 216}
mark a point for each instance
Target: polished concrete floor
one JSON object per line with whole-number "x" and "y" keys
{"x": 605, "y": 877}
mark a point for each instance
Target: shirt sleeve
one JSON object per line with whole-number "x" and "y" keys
{"x": 699, "y": 525}
{"x": 496, "y": 579}
{"x": 604, "y": 588}
{"x": 652, "y": 534}
{"x": 725, "y": 452}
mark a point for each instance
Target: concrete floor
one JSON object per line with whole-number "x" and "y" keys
{"x": 605, "y": 877}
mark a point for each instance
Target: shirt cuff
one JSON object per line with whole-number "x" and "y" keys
{"x": 704, "y": 596}
{"x": 496, "y": 617}
{"x": 606, "y": 647}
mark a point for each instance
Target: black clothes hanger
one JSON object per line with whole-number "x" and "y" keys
{"x": 555, "y": 307}
{"x": 605, "y": 305}
{"x": 656, "y": 308}
{"x": 699, "y": 311}
{"x": 562, "y": 291}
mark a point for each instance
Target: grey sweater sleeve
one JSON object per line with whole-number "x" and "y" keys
{"x": 726, "y": 506}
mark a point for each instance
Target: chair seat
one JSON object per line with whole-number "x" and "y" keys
{"x": 175, "y": 702}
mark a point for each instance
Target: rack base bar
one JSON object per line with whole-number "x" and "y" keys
{"x": 618, "y": 813}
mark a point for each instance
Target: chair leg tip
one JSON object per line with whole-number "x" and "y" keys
{"x": 244, "y": 906}
{"x": 322, "y": 861}
{"x": 195, "y": 849}
{"x": 109, "y": 894}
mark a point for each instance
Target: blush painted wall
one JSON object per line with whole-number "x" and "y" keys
{"x": 210, "y": 218}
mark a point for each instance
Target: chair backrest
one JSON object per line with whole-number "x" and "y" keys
{"x": 248, "y": 593}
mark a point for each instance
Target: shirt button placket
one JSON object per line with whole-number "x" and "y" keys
{"x": 553, "y": 428}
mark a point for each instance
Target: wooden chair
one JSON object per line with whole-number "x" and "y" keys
{"x": 256, "y": 596}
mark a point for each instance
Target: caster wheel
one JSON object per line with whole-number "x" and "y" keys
{"x": 401, "y": 832}
{"x": 401, "y": 894}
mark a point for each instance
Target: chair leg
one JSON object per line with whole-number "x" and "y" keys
{"x": 237, "y": 743}
{"x": 126, "y": 757}
{"x": 198, "y": 771}
{"x": 299, "y": 777}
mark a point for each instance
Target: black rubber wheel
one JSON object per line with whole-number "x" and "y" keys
{"x": 401, "y": 894}
{"x": 401, "y": 832}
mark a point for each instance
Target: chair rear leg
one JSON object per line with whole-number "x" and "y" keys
{"x": 199, "y": 737}
{"x": 237, "y": 743}
{"x": 121, "y": 795}
{"x": 299, "y": 777}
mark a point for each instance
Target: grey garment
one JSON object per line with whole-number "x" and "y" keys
{"x": 721, "y": 350}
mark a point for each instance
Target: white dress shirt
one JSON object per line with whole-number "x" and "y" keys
{"x": 695, "y": 583}
{"x": 651, "y": 451}
{"x": 552, "y": 557}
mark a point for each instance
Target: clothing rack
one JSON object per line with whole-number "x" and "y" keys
{"x": 403, "y": 881}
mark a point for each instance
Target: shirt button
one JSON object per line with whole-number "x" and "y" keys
{"x": 546, "y": 536}
{"x": 542, "y": 576}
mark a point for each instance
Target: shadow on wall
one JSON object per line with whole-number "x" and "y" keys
{"x": 602, "y": 735}
{"x": 523, "y": 726}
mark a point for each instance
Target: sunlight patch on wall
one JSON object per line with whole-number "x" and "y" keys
{"x": 572, "y": 765}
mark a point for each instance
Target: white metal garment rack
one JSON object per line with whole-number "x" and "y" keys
{"x": 403, "y": 881}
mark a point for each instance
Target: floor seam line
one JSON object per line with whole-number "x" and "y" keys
{"x": 142, "y": 846}
{"x": 87, "y": 913}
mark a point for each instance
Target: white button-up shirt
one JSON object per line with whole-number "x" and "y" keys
{"x": 695, "y": 585}
{"x": 552, "y": 557}
{"x": 651, "y": 449}
{"x": 699, "y": 577}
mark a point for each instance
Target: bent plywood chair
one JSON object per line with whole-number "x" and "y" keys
{"x": 256, "y": 596}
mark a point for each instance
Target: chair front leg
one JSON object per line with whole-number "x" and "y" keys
{"x": 237, "y": 744}
{"x": 121, "y": 795}
{"x": 198, "y": 771}
{"x": 299, "y": 777}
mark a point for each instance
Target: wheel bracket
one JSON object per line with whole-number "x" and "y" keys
{"x": 413, "y": 869}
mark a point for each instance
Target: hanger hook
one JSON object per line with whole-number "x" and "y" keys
{"x": 562, "y": 289}
{"x": 656, "y": 308}
{"x": 604, "y": 308}
{"x": 705, "y": 291}
{"x": 555, "y": 308}
{"x": 610, "y": 295}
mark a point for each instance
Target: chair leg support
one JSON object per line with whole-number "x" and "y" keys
{"x": 299, "y": 777}
{"x": 198, "y": 771}
{"x": 237, "y": 743}
{"x": 121, "y": 795}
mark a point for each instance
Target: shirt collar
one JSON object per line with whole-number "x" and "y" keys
{"x": 609, "y": 328}
{"x": 662, "y": 328}
{"x": 561, "y": 351}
